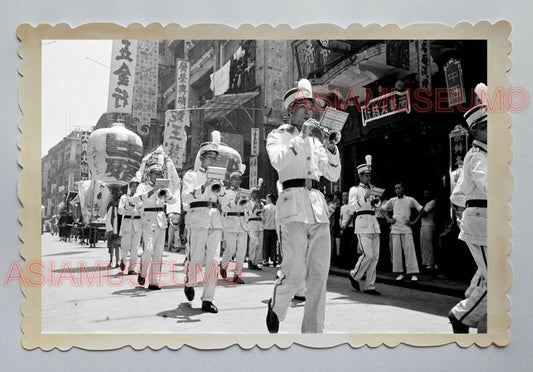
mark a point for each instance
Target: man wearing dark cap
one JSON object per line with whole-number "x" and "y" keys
{"x": 470, "y": 193}
{"x": 300, "y": 161}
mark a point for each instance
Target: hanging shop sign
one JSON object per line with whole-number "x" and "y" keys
{"x": 454, "y": 82}
{"x": 458, "y": 147}
{"x": 255, "y": 142}
{"x": 386, "y": 105}
{"x": 175, "y": 137}
{"x": 84, "y": 164}
{"x": 122, "y": 76}
{"x": 424, "y": 64}
{"x": 144, "y": 111}
{"x": 253, "y": 171}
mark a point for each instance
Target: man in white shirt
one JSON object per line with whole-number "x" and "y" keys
{"x": 401, "y": 233}
{"x": 254, "y": 210}
{"x": 300, "y": 161}
{"x": 270, "y": 237}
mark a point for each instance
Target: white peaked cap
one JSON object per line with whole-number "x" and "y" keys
{"x": 367, "y": 166}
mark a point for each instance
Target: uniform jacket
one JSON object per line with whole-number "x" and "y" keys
{"x": 294, "y": 157}
{"x": 473, "y": 185}
{"x": 203, "y": 217}
{"x": 126, "y": 209}
{"x": 149, "y": 219}
{"x": 357, "y": 202}
{"x": 233, "y": 223}
{"x": 254, "y": 210}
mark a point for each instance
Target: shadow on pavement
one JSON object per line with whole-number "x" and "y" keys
{"x": 64, "y": 253}
{"x": 132, "y": 292}
{"x": 182, "y": 313}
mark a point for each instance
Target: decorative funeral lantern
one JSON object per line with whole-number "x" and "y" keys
{"x": 228, "y": 157}
{"x": 114, "y": 155}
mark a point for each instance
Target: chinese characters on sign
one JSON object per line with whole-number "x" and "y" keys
{"x": 122, "y": 76}
{"x": 385, "y": 105}
{"x": 253, "y": 171}
{"x": 255, "y": 142}
{"x": 454, "y": 82}
{"x": 458, "y": 147}
{"x": 145, "y": 98}
{"x": 84, "y": 165}
{"x": 424, "y": 64}
{"x": 175, "y": 140}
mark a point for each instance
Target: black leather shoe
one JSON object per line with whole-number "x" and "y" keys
{"x": 154, "y": 287}
{"x": 223, "y": 272}
{"x": 140, "y": 279}
{"x": 209, "y": 307}
{"x": 457, "y": 326}
{"x": 131, "y": 272}
{"x": 122, "y": 266}
{"x": 372, "y": 292}
{"x": 237, "y": 280}
{"x": 189, "y": 293}
{"x": 272, "y": 321}
{"x": 299, "y": 298}
{"x": 355, "y": 283}
{"x": 255, "y": 267}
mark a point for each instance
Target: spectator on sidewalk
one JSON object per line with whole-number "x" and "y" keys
{"x": 270, "y": 237}
{"x": 401, "y": 232}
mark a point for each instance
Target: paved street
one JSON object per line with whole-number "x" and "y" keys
{"x": 81, "y": 295}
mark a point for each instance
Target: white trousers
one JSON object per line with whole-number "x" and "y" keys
{"x": 130, "y": 241}
{"x": 306, "y": 255}
{"x": 426, "y": 244}
{"x": 472, "y": 311}
{"x": 368, "y": 261}
{"x": 404, "y": 243}
{"x": 201, "y": 266}
{"x": 152, "y": 257}
{"x": 255, "y": 247}
{"x": 235, "y": 246}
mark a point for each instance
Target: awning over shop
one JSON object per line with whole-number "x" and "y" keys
{"x": 222, "y": 105}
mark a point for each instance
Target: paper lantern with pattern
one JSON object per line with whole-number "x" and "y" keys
{"x": 114, "y": 154}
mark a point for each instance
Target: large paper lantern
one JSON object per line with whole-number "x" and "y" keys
{"x": 114, "y": 155}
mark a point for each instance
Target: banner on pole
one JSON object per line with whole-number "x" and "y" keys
{"x": 122, "y": 76}
{"x": 255, "y": 142}
{"x": 175, "y": 139}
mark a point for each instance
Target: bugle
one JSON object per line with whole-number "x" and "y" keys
{"x": 322, "y": 132}
{"x": 375, "y": 194}
{"x": 244, "y": 196}
{"x": 216, "y": 174}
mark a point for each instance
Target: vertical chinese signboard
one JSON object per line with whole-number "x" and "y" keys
{"x": 454, "y": 82}
{"x": 145, "y": 98}
{"x": 255, "y": 142}
{"x": 253, "y": 171}
{"x": 424, "y": 64}
{"x": 175, "y": 139}
{"x": 458, "y": 147}
{"x": 84, "y": 165}
{"x": 122, "y": 76}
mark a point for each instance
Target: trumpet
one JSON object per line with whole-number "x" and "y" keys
{"x": 216, "y": 186}
{"x": 318, "y": 130}
{"x": 216, "y": 174}
{"x": 244, "y": 195}
{"x": 162, "y": 193}
{"x": 376, "y": 193}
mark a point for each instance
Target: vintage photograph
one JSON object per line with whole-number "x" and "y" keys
{"x": 261, "y": 186}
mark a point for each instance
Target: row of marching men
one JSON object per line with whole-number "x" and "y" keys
{"x": 213, "y": 213}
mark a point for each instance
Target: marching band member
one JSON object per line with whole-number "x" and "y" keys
{"x": 130, "y": 230}
{"x": 470, "y": 192}
{"x": 363, "y": 205}
{"x": 300, "y": 161}
{"x": 254, "y": 210}
{"x": 153, "y": 222}
{"x": 235, "y": 229}
{"x": 203, "y": 197}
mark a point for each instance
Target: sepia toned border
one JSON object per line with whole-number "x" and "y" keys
{"x": 500, "y": 181}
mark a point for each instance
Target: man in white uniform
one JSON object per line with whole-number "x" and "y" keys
{"x": 154, "y": 224}
{"x": 130, "y": 230}
{"x": 254, "y": 210}
{"x": 204, "y": 227}
{"x": 470, "y": 192}
{"x": 363, "y": 205}
{"x": 235, "y": 234}
{"x": 300, "y": 161}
